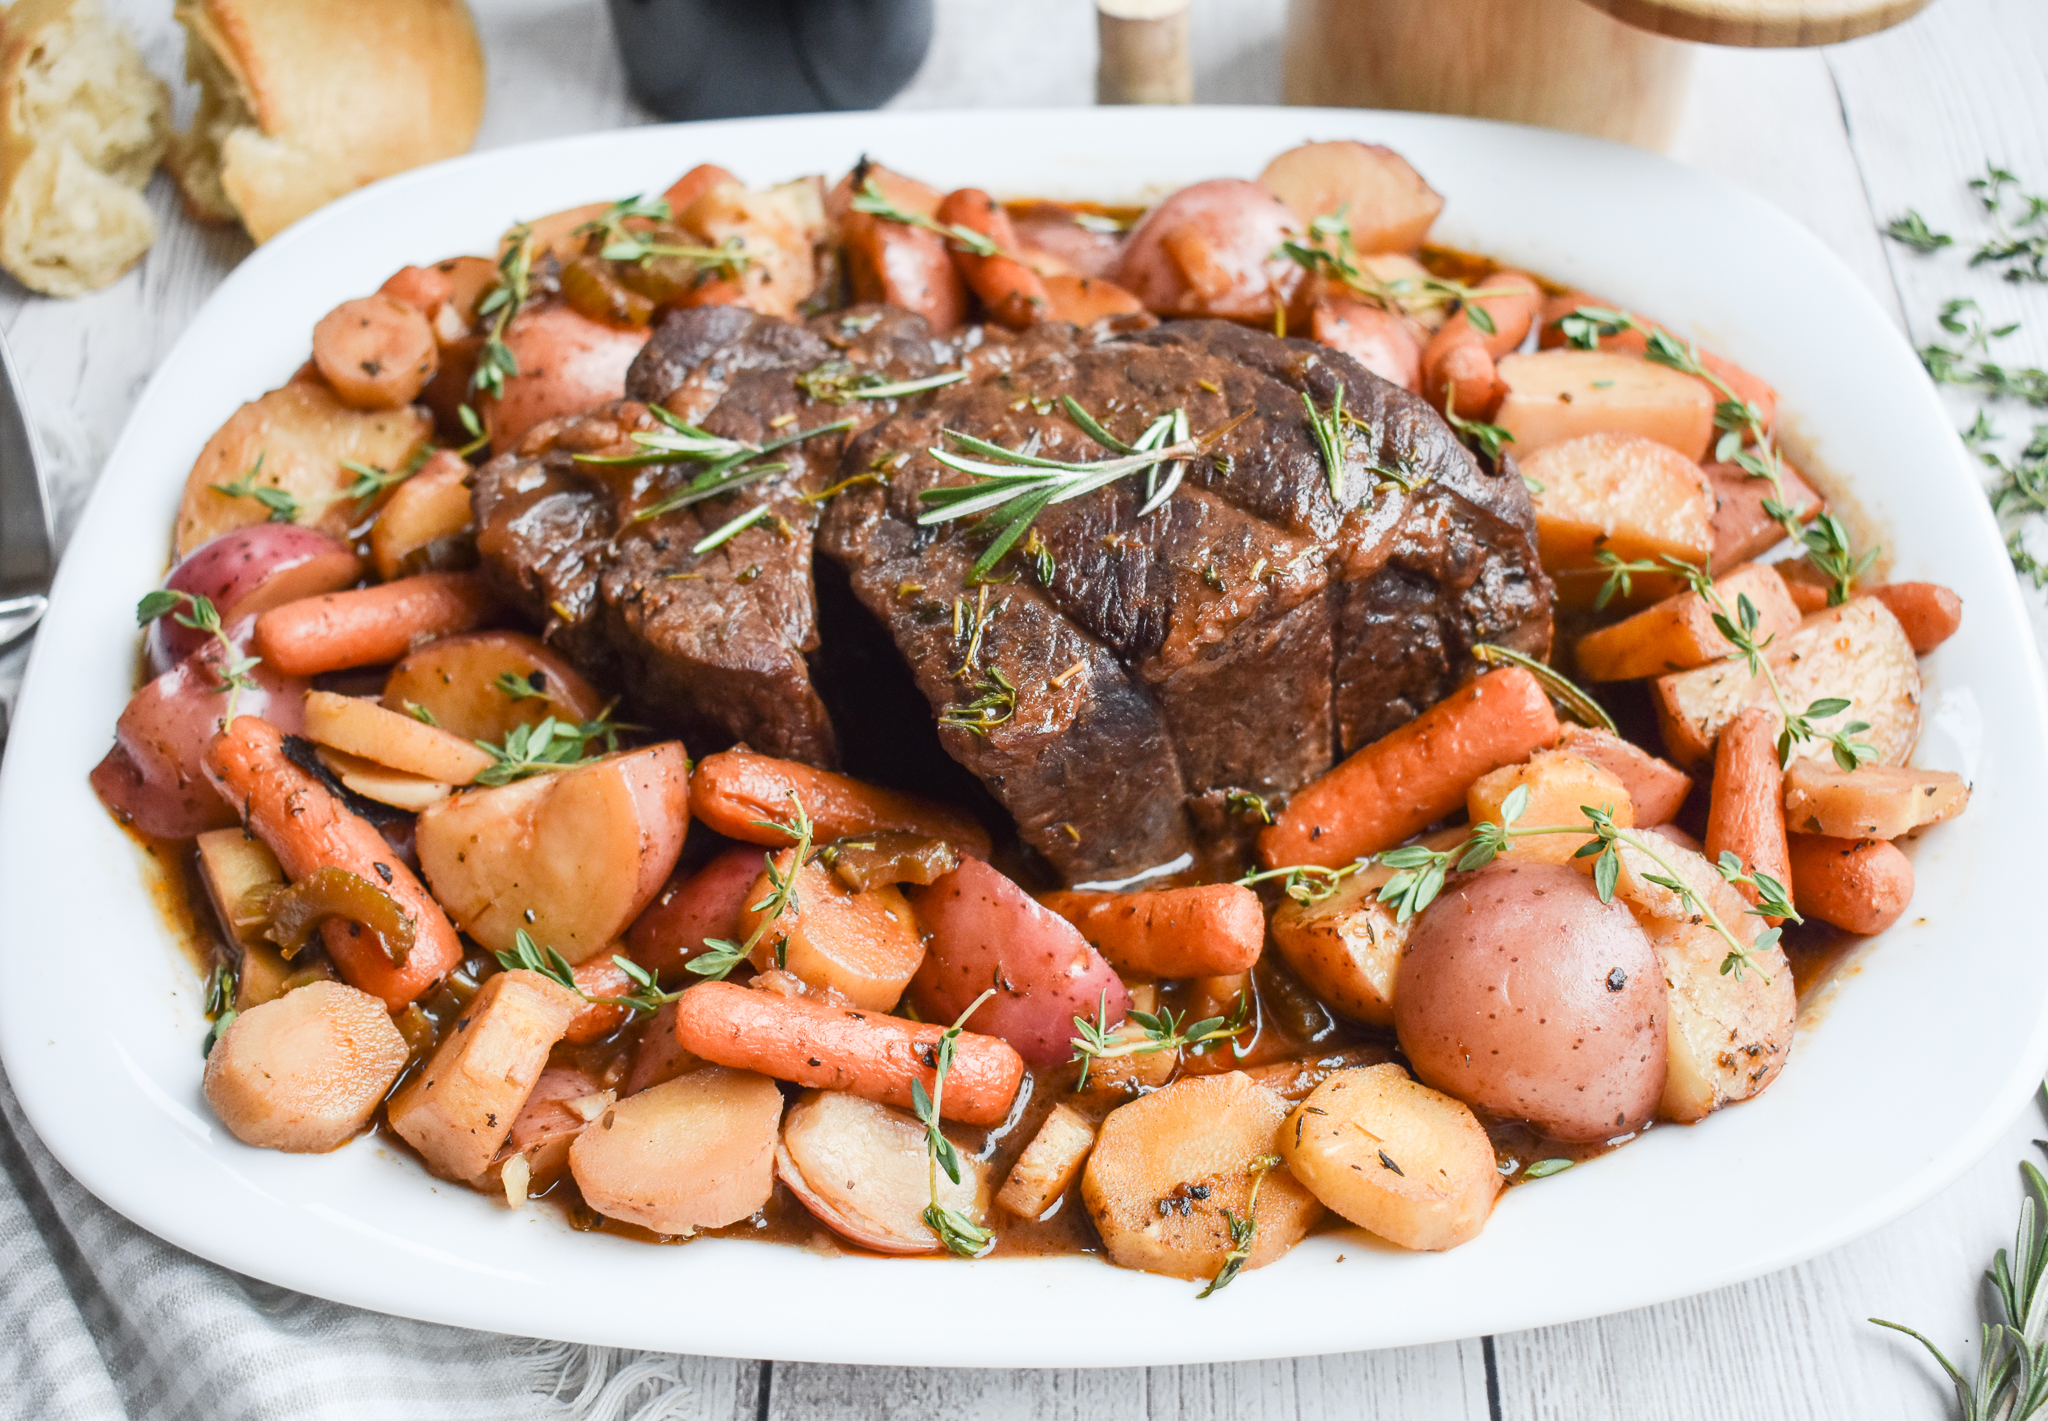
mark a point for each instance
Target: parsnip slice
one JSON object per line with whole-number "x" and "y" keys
{"x": 1621, "y": 494}
{"x": 362, "y": 727}
{"x": 1050, "y": 1163}
{"x": 1874, "y": 802}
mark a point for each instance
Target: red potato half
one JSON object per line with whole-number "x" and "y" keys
{"x": 154, "y": 778}
{"x": 705, "y": 904}
{"x": 862, "y": 1170}
{"x": 571, "y": 857}
{"x": 1525, "y": 996}
{"x": 1209, "y": 250}
{"x": 984, "y": 930}
{"x": 1381, "y": 341}
{"x": 1389, "y": 206}
{"x": 545, "y": 1129}
{"x": 696, "y": 1152}
{"x": 568, "y": 363}
{"x": 246, "y": 571}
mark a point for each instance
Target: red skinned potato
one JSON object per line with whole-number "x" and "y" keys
{"x": 571, "y": 857}
{"x": 154, "y": 778}
{"x": 984, "y": 930}
{"x": 1209, "y": 250}
{"x": 457, "y": 681}
{"x": 1084, "y": 300}
{"x": 1055, "y": 242}
{"x": 1379, "y": 340}
{"x": 1389, "y": 206}
{"x": 895, "y": 262}
{"x": 246, "y": 571}
{"x": 1525, "y": 996}
{"x": 705, "y": 904}
{"x": 546, "y": 1127}
{"x": 568, "y": 363}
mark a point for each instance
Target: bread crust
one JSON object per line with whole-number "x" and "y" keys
{"x": 326, "y": 97}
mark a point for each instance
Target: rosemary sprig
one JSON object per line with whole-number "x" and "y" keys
{"x": 871, "y": 200}
{"x": 728, "y": 462}
{"x": 960, "y": 1234}
{"x": 283, "y": 506}
{"x": 495, "y": 362}
{"x": 1097, "y": 1041}
{"x": 725, "y": 954}
{"x": 549, "y": 745}
{"x": 725, "y": 532}
{"x": 1244, "y": 1232}
{"x": 1332, "y": 442}
{"x": 1577, "y": 704}
{"x": 198, "y": 613}
{"x": 837, "y": 381}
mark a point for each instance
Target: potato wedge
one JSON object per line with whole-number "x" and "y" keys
{"x": 1393, "y": 1156}
{"x": 1556, "y": 395}
{"x": 1678, "y": 633}
{"x": 1855, "y": 651}
{"x": 861, "y": 1169}
{"x": 865, "y": 946}
{"x": 1167, "y": 1166}
{"x": 356, "y": 726}
{"x": 1620, "y": 494}
{"x": 1656, "y": 788}
{"x": 304, "y": 1073}
{"x": 484, "y": 685}
{"x": 1558, "y": 782}
{"x": 1050, "y": 1163}
{"x": 571, "y": 857}
{"x": 697, "y": 1152}
{"x": 1874, "y": 802}
{"x": 1389, "y": 206}
{"x": 294, "y": 439}
{"x": 1727, "y": 1034}
{"x": 423, "y": 524}
{"x": 460, "y": 1109}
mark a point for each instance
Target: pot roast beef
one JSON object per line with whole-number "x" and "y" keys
{"x": 1127, "y": 689}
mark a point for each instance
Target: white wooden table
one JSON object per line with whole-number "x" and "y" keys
{"x": 1842, "y": 138}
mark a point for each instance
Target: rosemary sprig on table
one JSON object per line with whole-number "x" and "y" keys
{"x": 495, "y": 362}
{"x": 960, "y": 1234}
{"x": 1014, "y": 486}
{"x": 1097, "y": 1041}
{"x": 199, "y": 614}
{"x": 1738, "y": 627}
{"x": 725, "y": 954}
{"x": 1244, "y": 1232}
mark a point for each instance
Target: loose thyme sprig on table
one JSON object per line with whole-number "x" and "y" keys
{"x": 1097, "y": 1041}
{"x": 198, "y": 613}
{"x": 960, "y": 1234}
{"x": 1739, "y": 628}
{"x": 725, "y": 954}
{"x": 1422, "y": 871}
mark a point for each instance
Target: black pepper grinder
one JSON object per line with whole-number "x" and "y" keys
{"x": 728, "y": 58}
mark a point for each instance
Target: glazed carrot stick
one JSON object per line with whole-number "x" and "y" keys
{"x": 893, "y": 261}
{"x": 1861, "y": 885}
{"x": 599, "y": 977}
{"x": 1014, "y": 294}
{"x": 833, "y": 1048}
{"x": 693, "y": 185}
{"x": 1746, "y": 816}
{"x": 1929, "y": 612}
{"x": 370, "y": 625}
{"x": 309, "y": 829}
{"x": 1457, "y": 370}
{"x": 1209, "y": 931}
{"x": 733, "y": 790}
{"x": 1510, "y": 312}
{"x": 1407, "y": 780}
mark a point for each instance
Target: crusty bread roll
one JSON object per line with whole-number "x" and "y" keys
{"x": 82, "y": 124}
{"x": 301, "y": 101}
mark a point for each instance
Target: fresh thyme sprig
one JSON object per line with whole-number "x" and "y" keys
{"x": 621, "y": 243}
{"x": 198, "y": 613}
{"x": 371, "y": 480}
{"x": 1912, "y": 229}
{"x": 960, "y": 1234}
{"x": 1305, "y": 882}
{"x": 725, "y": 954}
{"x": 283, "y": 505}
{"x": 530, "y": 687}
{"x": 219, "y": 1006}
{"x": 1423, "y": 871}
{"x": 1097, "y": 1041}
{"x": 495, "y": 362}
{"x": 611, "y": 223}
{"x": 1330, "y": 251}
{"x": 2024, "y": 254}
{"x": 871, "y": 200}
{"x": 1567, "y": 693}
{"x": 645, "y": 999}
{"x": 1491, "y": 439}
{"x": 549, "y": 745}
{"x": 2012, "y": 1360}
{"x": 837, "y": 381}
{"x": 1014, "y": 486}
{"x": 1244, "y": 1232}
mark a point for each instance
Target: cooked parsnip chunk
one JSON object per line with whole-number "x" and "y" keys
{"x": 371, "y": 780}
{"x": 1874, "y": 802}
{"x": 1049, "y": 1163}
{"x": 1167, "y": 1166}
{"x": 356, "y": 726}
{"x": 1728, "y": 1034}
{"x": 461, "y": 1108}
{"x": 1559, "y": 783}
{"x": 304, "y": 1073}
{"x": 1621, "y": 494}
{"x": 1856, "y": 652}
{"x": 861, "y": 1168}
{"x": 697, "y": 1152}
{"x": 1678, "y": 633}
{"x": 1555, "y": 395}
{"x": 1388, "y": 1153}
